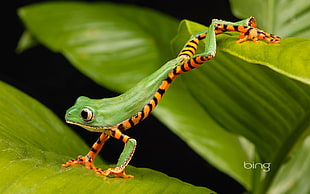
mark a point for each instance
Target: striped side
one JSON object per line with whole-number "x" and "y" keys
{"x": 148, "y": 108}
{"x": 189, "y": 50}
{"x": 145, "y": 111}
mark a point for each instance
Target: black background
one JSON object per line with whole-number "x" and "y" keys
{"x": 50, "y": 78}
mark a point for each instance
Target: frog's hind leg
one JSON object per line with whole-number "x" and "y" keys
{"x": 193, "y": 60}
{"x": 191, "y": 46}
{"x": 88, "y": 160}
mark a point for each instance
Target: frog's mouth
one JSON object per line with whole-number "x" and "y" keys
{"x": 89, "y": 128}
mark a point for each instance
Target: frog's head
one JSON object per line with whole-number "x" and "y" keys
{"x": 83, "y": 113}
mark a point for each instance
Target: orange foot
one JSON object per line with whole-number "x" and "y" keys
{"x": 89, "y": 164}
{"x": 117, "y": 172}
{"x": 256, "y": 34}
{"x": 87, "y": 160}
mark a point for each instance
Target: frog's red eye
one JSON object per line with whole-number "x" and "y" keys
{"x": 87, "y": 115}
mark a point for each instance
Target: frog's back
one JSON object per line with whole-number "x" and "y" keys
{"x": 132, "y": 103}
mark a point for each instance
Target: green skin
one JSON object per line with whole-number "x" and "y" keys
{"x": 109, "y": 112}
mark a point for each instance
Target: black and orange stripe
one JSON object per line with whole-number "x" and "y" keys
{"x": 95, "y": 149}
{"x": 190, "y": 48}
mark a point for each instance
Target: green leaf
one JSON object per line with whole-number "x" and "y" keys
{"x": 284, "y": 18}
{"x": 269, "y": 109}
{"x": 34, "y": 142}
{"x": 99, "y": 38}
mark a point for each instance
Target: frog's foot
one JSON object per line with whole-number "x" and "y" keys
{"x": 117, "y": 172}
{"x": 255, "y": 34}
{"x": 87, "y": 160}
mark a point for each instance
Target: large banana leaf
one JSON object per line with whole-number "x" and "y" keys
{"x": 78, "y": 30}
{"x": 230, "y": 111}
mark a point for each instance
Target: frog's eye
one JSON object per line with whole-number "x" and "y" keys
{"x": 87, "y": 115}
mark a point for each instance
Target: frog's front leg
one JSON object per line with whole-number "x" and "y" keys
{"x": 125, "y": 157}
{"x": 88, "y": 159}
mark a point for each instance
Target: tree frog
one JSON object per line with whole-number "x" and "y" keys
{"x": 112, "y": 116}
